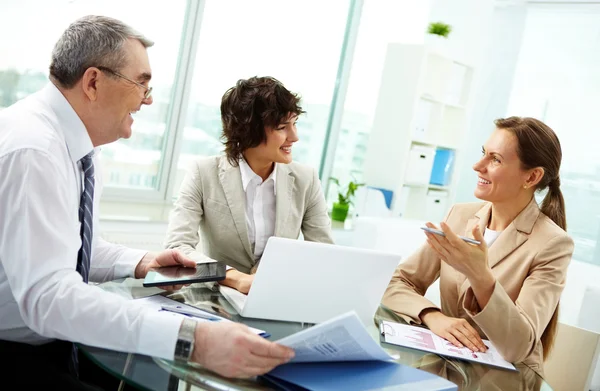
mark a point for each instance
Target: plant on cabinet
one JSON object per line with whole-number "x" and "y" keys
{"x": 439, "y": 28}
{"x": 339, "y": 212}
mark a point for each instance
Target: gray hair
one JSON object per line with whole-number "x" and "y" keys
{"x": 91, "y": 41}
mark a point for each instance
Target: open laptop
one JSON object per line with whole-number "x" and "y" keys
{"x": 311, "y": 282}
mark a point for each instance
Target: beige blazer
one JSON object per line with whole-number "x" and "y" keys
{"x": 529, "y": 260}
{"x": 212, "y": 201}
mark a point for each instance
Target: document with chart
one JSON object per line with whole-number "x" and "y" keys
{"x": 343, "y": 338}
{"x": 423, "y": 339}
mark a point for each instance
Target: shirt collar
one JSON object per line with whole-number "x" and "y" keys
{"x": 76, "y": 136}
{"x": 248, "y": 175}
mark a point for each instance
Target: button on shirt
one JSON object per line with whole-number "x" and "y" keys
{"x": 42, "y": 296}
{"x": 260, "y": 206}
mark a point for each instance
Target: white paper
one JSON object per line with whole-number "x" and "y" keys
{"x": 343, "y": 338}
{"x": 156, "y": 302}
{"x": 422, "y": 339}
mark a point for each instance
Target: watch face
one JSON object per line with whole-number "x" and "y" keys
{"x": 183, "y": 350}
{"x": 185, "y": 340}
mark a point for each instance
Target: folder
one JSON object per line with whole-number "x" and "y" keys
{"x": 340, "y": 354}
{"x": 441, "y": 172}
{"x": 355, "y": 376}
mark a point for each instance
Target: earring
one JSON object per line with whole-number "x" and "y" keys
{"x": 524, "y": 186}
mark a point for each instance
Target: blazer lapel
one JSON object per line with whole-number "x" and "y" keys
{"x": 482, "y": 218}
{"x": 283, "y": 198}
{"x": 515, "y": 234}
{"x": 231, "y": 181}
{"x": 510, "y": 239}
{"x": 507, "y": 242}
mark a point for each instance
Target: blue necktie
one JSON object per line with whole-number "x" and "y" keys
{"x": 86, "y": 214}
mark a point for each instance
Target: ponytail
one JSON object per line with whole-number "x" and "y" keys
{"x": 553, "y": 206}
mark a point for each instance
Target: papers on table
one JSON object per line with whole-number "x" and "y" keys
{"x": 340, "y": 354}
{"x": 343, "y": 338}
{"x": 158, "y": 302}
{"x": 423, "y": 339}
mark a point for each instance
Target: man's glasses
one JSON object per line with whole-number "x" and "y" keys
{"x": 148, "y": 90}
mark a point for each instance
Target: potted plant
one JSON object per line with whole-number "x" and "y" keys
{"x": 340, "y": 208}
{"x": 437, "y": 36}
{"x": 439, "y": 29}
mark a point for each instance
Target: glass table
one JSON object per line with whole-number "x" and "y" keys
{"x": 147, "y": 373}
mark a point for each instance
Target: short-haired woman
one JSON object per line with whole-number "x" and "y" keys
{"x": 255, "y": 191}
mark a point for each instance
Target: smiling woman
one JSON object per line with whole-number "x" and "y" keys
{"x": 238, "y": 201}
{"x": 508, "y": 287}
{"x": 259, "y": 122}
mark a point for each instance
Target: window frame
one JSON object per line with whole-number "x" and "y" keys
{"x": 180, "y": 96}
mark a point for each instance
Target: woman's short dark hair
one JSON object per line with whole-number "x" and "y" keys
{"x": 251, "y": 106}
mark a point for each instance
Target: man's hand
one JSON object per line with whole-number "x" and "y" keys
{"x": 456, "y": 330}
{"x": 238, "y": 280}
{"x": 164, "y": 258}
{"x": 232, "y": 350}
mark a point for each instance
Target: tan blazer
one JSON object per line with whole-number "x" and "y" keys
{"x": 529, "y": 260}
{"x": 212, "y": 200}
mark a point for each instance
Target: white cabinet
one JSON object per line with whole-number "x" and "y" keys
{"x": 436, "y": 204}
{"x": 420, "y": 162}
{"x": 422, "y": 106}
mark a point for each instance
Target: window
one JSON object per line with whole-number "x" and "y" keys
{"x": 201, "y": 49}
{"x": 381, "y": 22}
{"x": 557, "y": 80}
{"x": 23, "y": 72}
{"x": 299, "y": 45}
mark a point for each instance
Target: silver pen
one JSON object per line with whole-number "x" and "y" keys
{"x": 191, "y": 312}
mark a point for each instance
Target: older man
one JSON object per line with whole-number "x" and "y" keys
{"x": 49, "y": 246}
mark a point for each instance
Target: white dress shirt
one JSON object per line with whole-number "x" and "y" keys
{"x": 490, "y": 236}
{"x": 260, "y": 206}
{"x": 42, "y": 297}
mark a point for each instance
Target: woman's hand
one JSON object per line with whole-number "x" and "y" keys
{"x": 238, "y": 280}
{"x": 245, "y": 283}
{"x": 455, "y": 330}
{"x": 468, "y": 259}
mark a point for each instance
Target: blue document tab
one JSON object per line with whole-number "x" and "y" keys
{"x": 356, "y": 376}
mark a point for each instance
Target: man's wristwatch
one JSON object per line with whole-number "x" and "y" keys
{"x": 185, "y": 340}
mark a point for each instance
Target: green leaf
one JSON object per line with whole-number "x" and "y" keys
{"x": 439, "y": 28}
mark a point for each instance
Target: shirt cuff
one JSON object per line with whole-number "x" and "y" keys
{"x": 127, "y": 262}
{"x": 158, "y": 334}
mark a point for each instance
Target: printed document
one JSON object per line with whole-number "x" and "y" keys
{"x": 343, "y": 338}
{"x": 422, "y": 339}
